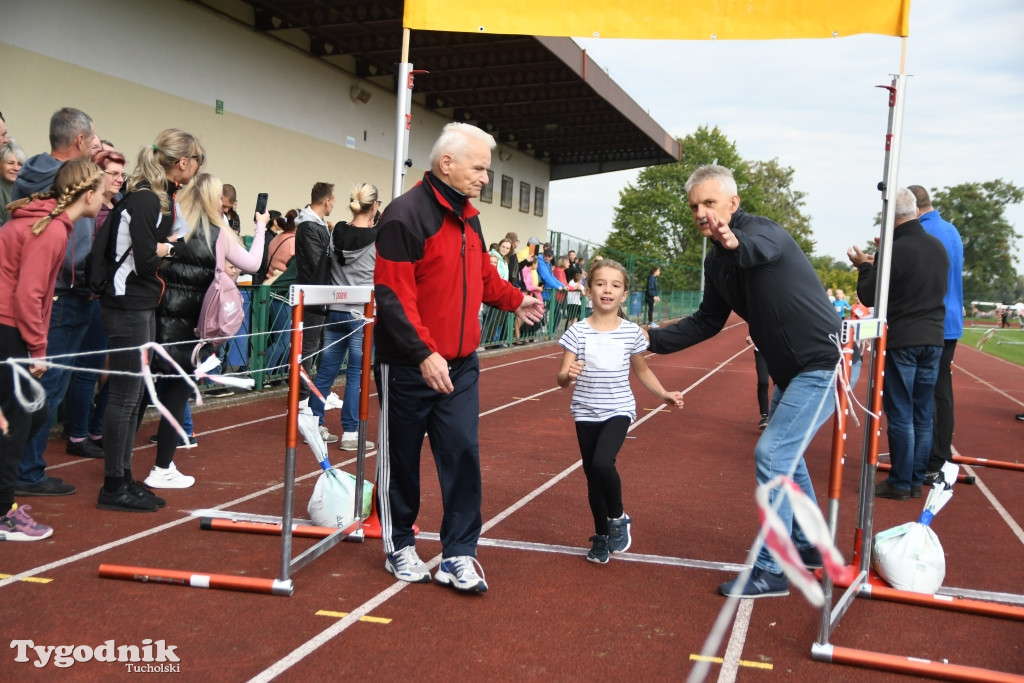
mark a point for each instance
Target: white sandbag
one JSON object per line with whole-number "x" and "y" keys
{"x": 333, "y": 499}
{"x": 909, "y": 557}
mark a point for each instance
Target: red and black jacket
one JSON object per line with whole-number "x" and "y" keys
{"x": 432, "y": 274}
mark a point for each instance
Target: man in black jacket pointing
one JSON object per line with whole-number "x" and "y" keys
{"x": 756, "y": 269}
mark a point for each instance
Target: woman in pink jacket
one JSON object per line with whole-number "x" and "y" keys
{"x": 32, "y": 247}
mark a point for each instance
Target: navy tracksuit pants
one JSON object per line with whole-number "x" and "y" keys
{"x": 410, "y": 409}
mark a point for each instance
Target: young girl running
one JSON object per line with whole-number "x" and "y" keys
{"x": 599, "y": 351}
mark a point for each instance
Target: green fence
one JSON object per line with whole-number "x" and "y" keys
{"x": 262, "y": 345}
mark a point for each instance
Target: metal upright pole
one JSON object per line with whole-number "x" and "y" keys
{"x": 403, "y": 115}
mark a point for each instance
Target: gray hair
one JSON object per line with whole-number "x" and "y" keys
{"x": 906, "y": 203}
{"x": 11, "y": 149}
{"x": 713, "y": 172}
{"x": 67, "y": 124}
{"x": 455, "y": 138}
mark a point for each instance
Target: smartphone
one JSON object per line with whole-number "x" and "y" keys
{"x": 261, "y": 203}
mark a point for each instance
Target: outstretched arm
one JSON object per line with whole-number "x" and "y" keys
{"x": 646, "y": 376}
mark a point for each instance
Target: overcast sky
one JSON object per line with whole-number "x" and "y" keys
{"x": 813, "y": 105}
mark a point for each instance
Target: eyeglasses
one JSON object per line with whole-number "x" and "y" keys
{"x": 115, "y": 175}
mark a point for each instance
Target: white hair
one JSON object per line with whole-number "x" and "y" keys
{"x": 906, "y": 203}
{"x": 455, "y": 138}
{"x": 709, "y": 172}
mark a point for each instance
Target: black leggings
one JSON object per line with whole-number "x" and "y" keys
{"x": 22, "y": 425}
{"x": 599, "y": 445}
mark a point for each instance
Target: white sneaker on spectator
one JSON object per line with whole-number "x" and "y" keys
{"x": 333, "y": 401}
{"x": 350, "y": 442}
{"x": 169, "y": 478}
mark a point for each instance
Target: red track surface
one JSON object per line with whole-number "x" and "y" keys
{"x": 688, "y": 484}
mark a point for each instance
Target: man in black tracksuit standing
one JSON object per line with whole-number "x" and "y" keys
{"x": 431, "y": 275}
{"x": 916, "y": 316}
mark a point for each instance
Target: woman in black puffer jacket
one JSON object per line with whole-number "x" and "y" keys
{"x": 187, "y": 276}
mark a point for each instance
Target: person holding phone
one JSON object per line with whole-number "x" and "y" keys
{"x": 188, "y": 275}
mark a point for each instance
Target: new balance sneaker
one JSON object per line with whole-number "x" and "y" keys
{"x": 137, "y": 488}
{"x": 619, "y": 538}
{"x": 168, "y": 478}
{"x": 1020, "y": 417}
{"x": 461, "y": 574}
{"x": 219, "y": 392}
{"x": 333, "y": 401}
{"x": 406, "y": 565}
{"x": 86, "y": 448}
{"x": 16, "y": 525}
{"x": 598, "y": 550}
{"x": 125, "y": 500}
{"x": 811, "y": 557}
{"x": 51, "y": 486}
{"x": 760, "y": 584}
{"x": 350, "y": 442}
{"x": 763, "y": 423}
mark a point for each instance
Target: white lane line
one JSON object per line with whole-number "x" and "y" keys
{"x": 733, "y": 651}
{"x": 311, "y": 645}
{"x": 988, "y": 384}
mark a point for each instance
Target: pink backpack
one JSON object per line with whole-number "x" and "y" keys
{"x": 222, "y": 313}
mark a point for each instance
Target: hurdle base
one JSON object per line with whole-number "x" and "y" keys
{"x": 176, "y": 577}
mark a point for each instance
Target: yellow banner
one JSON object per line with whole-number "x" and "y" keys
{"x": 664, "y": 19}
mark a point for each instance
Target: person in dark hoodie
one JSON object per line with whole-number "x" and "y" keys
{"x": 351, "y": 266}
{"x": 71, "y": 137}
{"x": 312, "y": 251}
{"x": 756, "y": 269}
{"x": 32, "y": 249}
{"x": 142, "y": 223}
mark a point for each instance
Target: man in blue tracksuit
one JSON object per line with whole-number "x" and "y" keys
{"x": 953, "y": 329}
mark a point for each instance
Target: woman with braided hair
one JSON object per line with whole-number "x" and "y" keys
{"x": 141, "y": 224}
{"x": 32, "y": 247}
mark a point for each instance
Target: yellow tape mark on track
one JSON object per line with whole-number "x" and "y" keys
{"x": 342, "y": 615}
{"x": 29, "y": 579}
{"x": 719, "y": 660}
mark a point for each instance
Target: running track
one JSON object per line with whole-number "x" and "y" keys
{"x": 549, "y": 614}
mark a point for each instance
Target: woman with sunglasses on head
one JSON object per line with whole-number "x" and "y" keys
{"x": 141, "y": 225}
{"x": 84, "y": 409}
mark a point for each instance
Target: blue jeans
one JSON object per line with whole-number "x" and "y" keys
{"x": 780, "y": 448}
{"x": 335, "y": 346}
{"x": 69, "y": 321}
{"x": 83, "y": 409}
{"x": 908, "y": 398}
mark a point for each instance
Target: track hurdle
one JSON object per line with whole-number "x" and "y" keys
{"x": 298, "y": 296}
{"x": 861, "y": 586}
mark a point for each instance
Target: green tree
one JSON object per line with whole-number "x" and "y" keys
{"x": 977, "y": 211}
{"x": 769, "y": 192}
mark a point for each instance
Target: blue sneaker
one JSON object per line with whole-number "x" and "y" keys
{"x": 619, "y": 539}
{"x": 406, "y": 565}
{"x": 760, "y": 584}
{"x": 811, "y": 557}
{"x": 599, "y": 550}
{"x": 460, "y": 573}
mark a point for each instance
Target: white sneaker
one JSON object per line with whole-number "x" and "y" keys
{"x": 326, "y": 435}
{"x": 407, "y": 566}
{"x": 333, "y": 401}
{"x": 169, "y": 478}
{"x": 350, "y": 442}
{"x": 460, "y": 573}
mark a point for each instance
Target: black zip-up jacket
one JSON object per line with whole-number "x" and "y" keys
{"x": 917, "y": 288}
{"x": 768, "y": 282}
